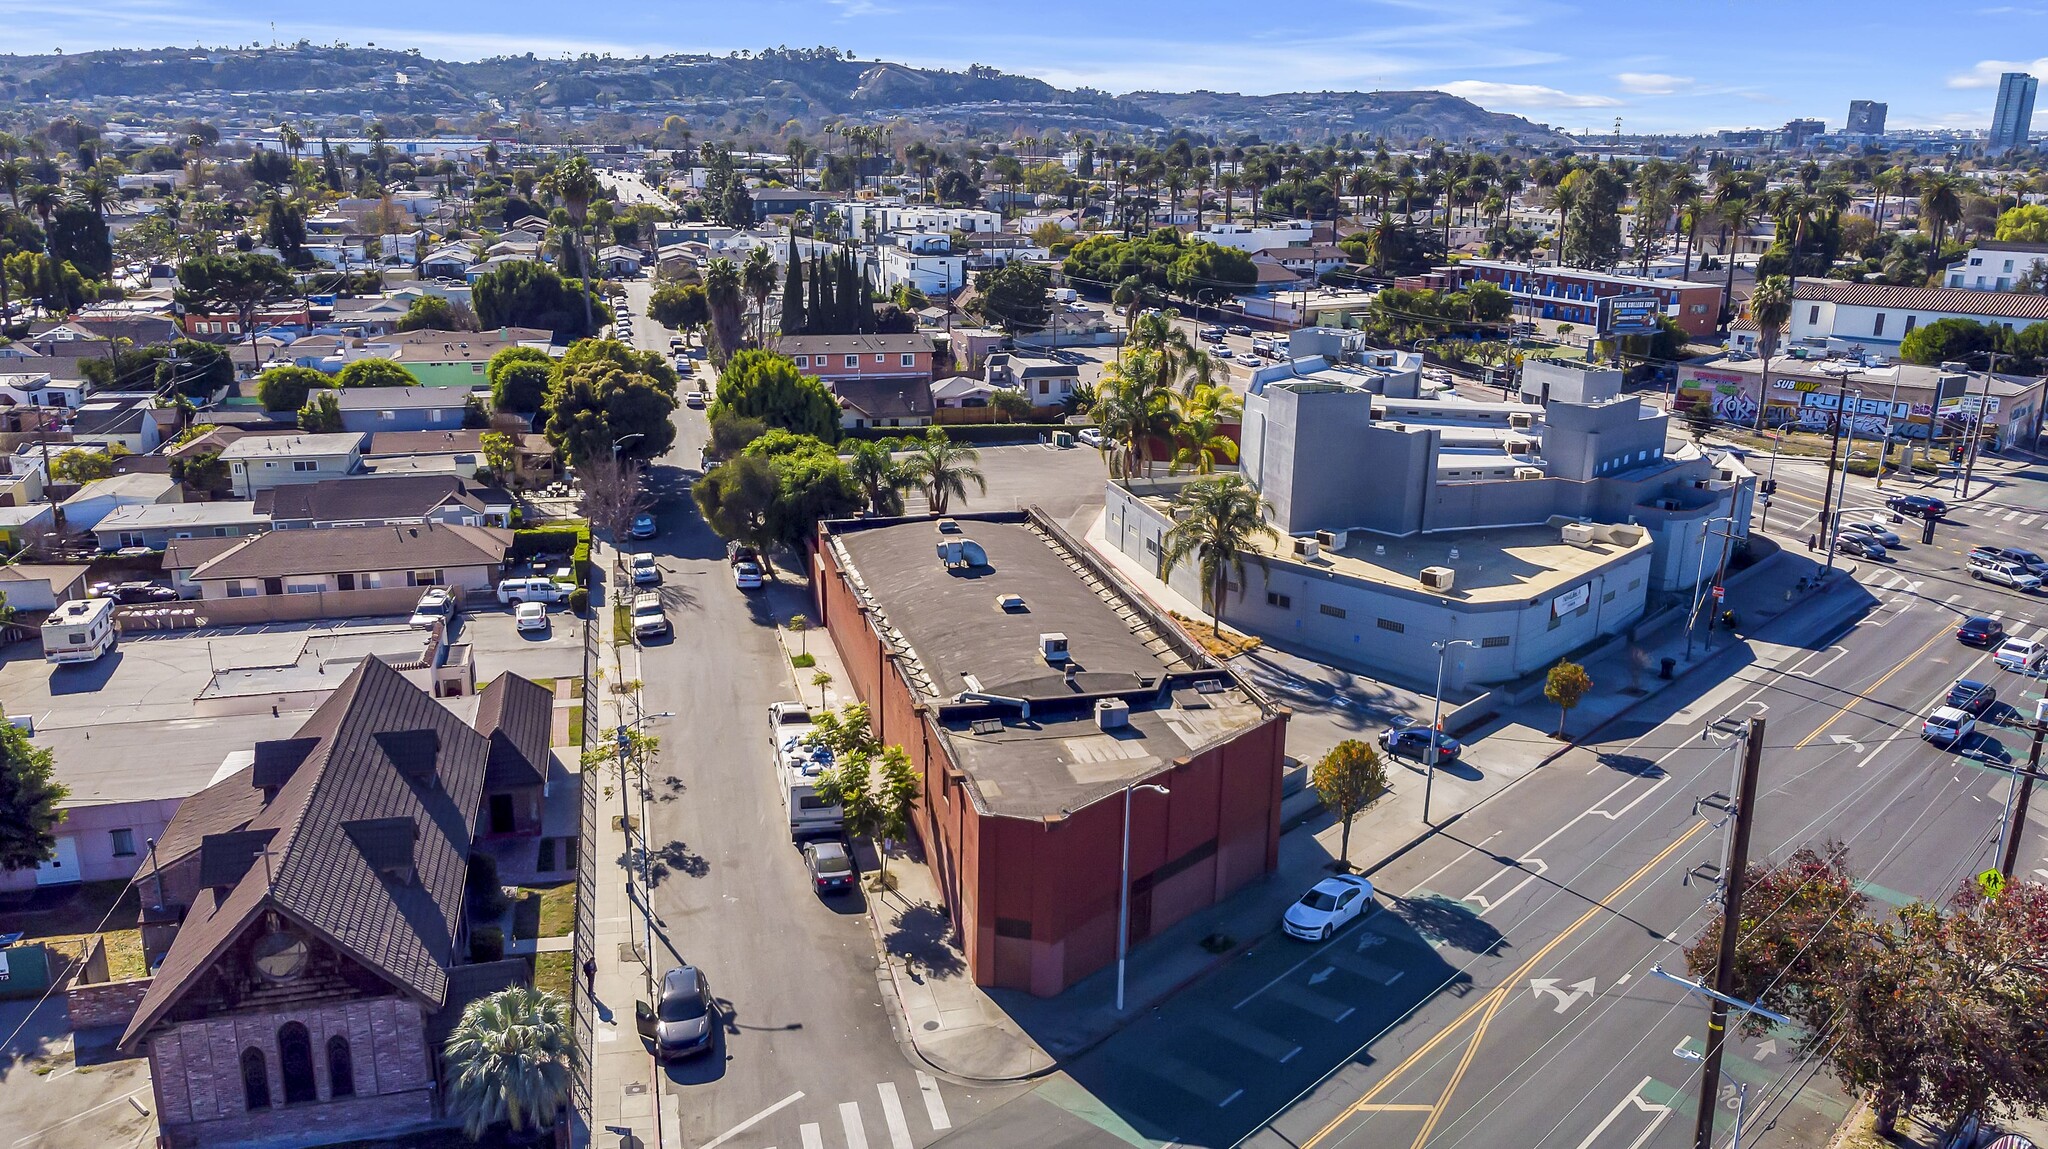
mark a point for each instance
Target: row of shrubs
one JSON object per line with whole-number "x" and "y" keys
{"x": 984, "y": 434}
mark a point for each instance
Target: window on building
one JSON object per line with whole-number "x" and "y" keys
{"x": 2007, "y": 267}
{"x": 255, "y": 1080}
{"x": 476, "y": 369}
{"x": 1390, "y": 624}
{"x": 1813, "y": 316}
{"x": 1912, "y": 321}
{"x": 803, "y": 361}
{"x": 305, "y": 464}
{"x": 909, "y": 360}
{"x": 123, "y": 842}
{"x": 1284, "y": 602}
{"x": 1877, "y": 325}
{"x": 341, "y": 1068}
{"x": 387, "y": 415}
{"x": 1332, "y": 611}
{"x": 295, "y": 1058}
{"x": 880, "y": 359}
{"x": 853, "y": 361}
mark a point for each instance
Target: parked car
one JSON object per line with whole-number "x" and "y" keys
{"x": 2021, "y": 654}
{"x": 643, "y": 527}
{"x": 1921, "y": 506}
{"x": 2028, "y": 560}
{"x": 645, "y": 572}
{"x": 1224, "y": 353}
{"x": 1972, "y": 696}
{"x": 675, "y": 343}
{"x": 1861, "y": 546}
{"x": 747, "y": 576}
{"x": 830, "y": 865}
{"x": 1090, "y": 436}
{"x": 1327, "y": 907}
{"x": 530, "y": 616}
{"x": 1240, "y": 329}
{"x": 1989, "y": 567}
{"x": 649, "y": 619}
{"x": 694, "y": 400}
{"x": 1981, "y": 631}
{"x": 737, "y": 553}
{"x": 1948, "y": 726}
{"x": 1412, "y": 742}
{"x": 131, "y": 593}
{"x": 513, "y": 590}
{"x": 437, "y": 605}
{"x": 1872, "y": 530}
{"x": 683, "y": 1018}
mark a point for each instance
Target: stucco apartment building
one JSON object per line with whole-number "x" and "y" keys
{"x": 880, "y": 380}
{"x": 1027, "y": 721}
{"x": 1573, "y": 294}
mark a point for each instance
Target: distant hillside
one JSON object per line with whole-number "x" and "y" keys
{"x": 761, "y": 91}
{"x": 1401, "y": 116}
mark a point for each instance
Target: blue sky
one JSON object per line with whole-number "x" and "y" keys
{"x": 1659, "y": 65}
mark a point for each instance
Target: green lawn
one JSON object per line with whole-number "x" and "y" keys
{"x": 64, "y": 918}
{"x": 545, "y": 911}
{"x": 803, "y": 661}
{"x": 622, "y": 623}
{"x": 576, "y": 725}
{"x": 555, "y": 973}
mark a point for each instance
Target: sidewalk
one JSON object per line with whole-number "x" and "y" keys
{"x": 626, "y": 1085}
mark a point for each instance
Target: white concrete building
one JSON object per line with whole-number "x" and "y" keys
{"x": 1246, "y": 237}
{"x": 1995, "y": 266}
{"x": 1875, "y": 317}
{"x": 864, "y": 220}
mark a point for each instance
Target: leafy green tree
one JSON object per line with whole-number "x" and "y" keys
{"x": 1217, "y": 523}
{"x": 80, "y": 465}
{"x": 78, "y": 236}
{"x": 505, "y": 358}
{"x": 205, "y": 471}
{"x": 521, "y": 387}
{"x": 1013, "y": 297}
{"x": 812, "y": 484}
{"x": 1010, "y": 404}
{"x": 593, "y": 406}
{"x": 188, "y": 367}
{"x": 241, "y": 285}
{"x": 375, "y": 373}
{"x": 535, "y": 295}
{"x": 681, "y": 306}
{"x": 736, "y": 498}
{"x": 508, "y": 1061}
{"x": 649, "y": 363}
{"x": 1565, "y": 685}
{"x": 763, "y": 385}
{"x": 321, "y": 415}
{"x": 432, "y": 313}
{"x": 876, "y": 790}
{"x": 2027, "y": 223}
{"x": 1948, "y": 340}
{"x": 285, "y": 388}
{"x": 941, "y": 469}
{"x": 29, "y": 799}
{"x": 1348, "y": 779}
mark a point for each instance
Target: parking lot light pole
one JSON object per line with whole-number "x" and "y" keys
{"x": 1436, "y": 722}
{"x": 1123, "y": 905}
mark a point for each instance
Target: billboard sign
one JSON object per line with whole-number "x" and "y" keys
{"x": 1622, "y": 315}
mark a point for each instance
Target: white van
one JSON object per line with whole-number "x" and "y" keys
{"x": 79, "y": 631}
{"x": 514, "y": 590}
{"x": 1266, "y": 347}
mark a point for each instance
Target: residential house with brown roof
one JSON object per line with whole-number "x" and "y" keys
{"x": 1876, "y": 317}
{"x": 385, "y": 500}
{"x": 880, "y": 380}
{"x": 308, "y": 928}
{"x": 339, "y": 559}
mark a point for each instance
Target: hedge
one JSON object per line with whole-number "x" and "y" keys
{"x": 984, "y": 434}
{"x": 570, "y": 535}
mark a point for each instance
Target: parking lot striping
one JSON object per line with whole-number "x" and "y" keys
{"x": 813, "y": 1139}
{"x": 750, "y": 1122}
{"x": 1500, "y": 992}
{"x": 1276, "y": 981}
{"x": 892, "y": 1116}
{"x": 934, "y": 1105}
{"x": 89, "y": 1112}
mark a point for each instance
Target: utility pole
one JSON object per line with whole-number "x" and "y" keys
{"x": 1977, "y": 423}
{"x": 2010, "y": 861}
{"x": 1734, "y": 878}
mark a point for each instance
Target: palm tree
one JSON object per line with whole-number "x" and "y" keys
{"x": 508, "y": 1060}
{"x": 942, "y": 469}
{"x": 1134, "y": 407}
{"x": 881, "y": 478}
{"x": 1941, "y": 205}
{"x": 1770, "y": 305}
{"x": 757, "y": 276}
{"x": 1217, "y": 522}
{"x": 1884, "y": 184}
{"x": 13, "y": 176}
{"x": 1199, "y": 439}
{"x": 575, "y": 184}
{"x": 1736, "y": 206}
{"x": 1178, "y": 362}
{"x": 95, "y": 193}
{"x": 722, "y": 288}
{"x": 289, "y": 137}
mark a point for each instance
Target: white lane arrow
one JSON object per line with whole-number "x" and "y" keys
{"x": 1322, "y": 975}
{"x": 1765, "y": 1048}
{"x": 1845, "y": 740}
{"x": 1542, "y": 985}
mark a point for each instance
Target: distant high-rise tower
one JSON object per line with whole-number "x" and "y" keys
{"x": 1866, "y": 118}
{"x": 2013, "y": 118}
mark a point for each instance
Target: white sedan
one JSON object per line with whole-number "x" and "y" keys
{"x": 1875, "y": 531}
{"x": 1328, "y": 907}
{"x": 531, "y": 616}
{"x": 1090, "y": 436}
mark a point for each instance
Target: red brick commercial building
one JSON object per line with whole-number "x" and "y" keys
{"x": 1573, "y": 294}
{"x": 1025, "y": 759}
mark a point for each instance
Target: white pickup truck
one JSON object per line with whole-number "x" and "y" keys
{"x": 798, "y": 762}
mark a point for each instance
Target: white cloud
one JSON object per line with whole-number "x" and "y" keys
{"x": 1985, "y": 73}
{"x": 1489, "y": 94}
{"x": 1652, "y": 83}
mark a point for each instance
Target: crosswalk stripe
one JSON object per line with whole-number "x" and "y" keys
{"x": 2029, "y": 520}
{"x": 813, "y": 1139}
{"x": 2010, "y": 517}
{"x": 1304, "y": 998}
{"x": 934, "y": 1105}
{"x": 892, "y": 1116}
{"x": 849, "y": 1118}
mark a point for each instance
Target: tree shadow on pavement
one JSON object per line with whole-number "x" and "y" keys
{"x": 675, "y": 857}
{"x": 1440, "y": 919}
{"x": 922, "y": 935}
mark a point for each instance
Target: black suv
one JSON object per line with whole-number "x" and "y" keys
{"x": 1922, "y": 506}
{"x": 1973, "y": 696}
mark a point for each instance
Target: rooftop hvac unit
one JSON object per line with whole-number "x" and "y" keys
{"x": 1307, "y": 548}
{"x": 1331, "y": 540}
{"x": 948, "y": 527}
{"x": 1379, "y": 413}
{"x": 1112, "y": 714}
{"x": 1438, "y": 578}
{"x": 1521, "y": 420}
{"x": 1528, "y": 472}
{"x": 1516, "y": 446}
{"x": 1010, "y": 603}
{"x": 1578, "y": 534}
{"x": 1053, "y": 646}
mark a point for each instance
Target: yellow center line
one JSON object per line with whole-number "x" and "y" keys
{"x": 1492, "y": 1001}
{"x": 1871, "y": 689}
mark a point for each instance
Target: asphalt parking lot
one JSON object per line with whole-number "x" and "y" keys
{"x": 52, "y": 1097}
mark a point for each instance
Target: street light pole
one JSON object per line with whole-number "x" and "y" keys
{"x": 1123, "y": 905}
{"x": 1436, "y": 723}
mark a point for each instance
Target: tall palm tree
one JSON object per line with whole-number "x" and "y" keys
{"x": 1178, "y": 362}
{"x": 942, "y": 469}
{"x": 1941, "y": 205}
{"x": 289, "y": 138}
{"x": 1199, "y": 439}
{"x": 1217, "y": 523}
{"x": 95, "y": 193}
{"x": 1770, "y": 305}
{"x": 1736, "y": 205}
{"x": 508, "y": 1060}
{"x": 1884, "y": 184}
{"x": 722, "y": 291}
{"x": 575, "y": 184}
{"x": 14, "y": 176}
{"x": 757, "y": 276}
{"x": 881, "y": 478}
{"x": 1135, "y": 407}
